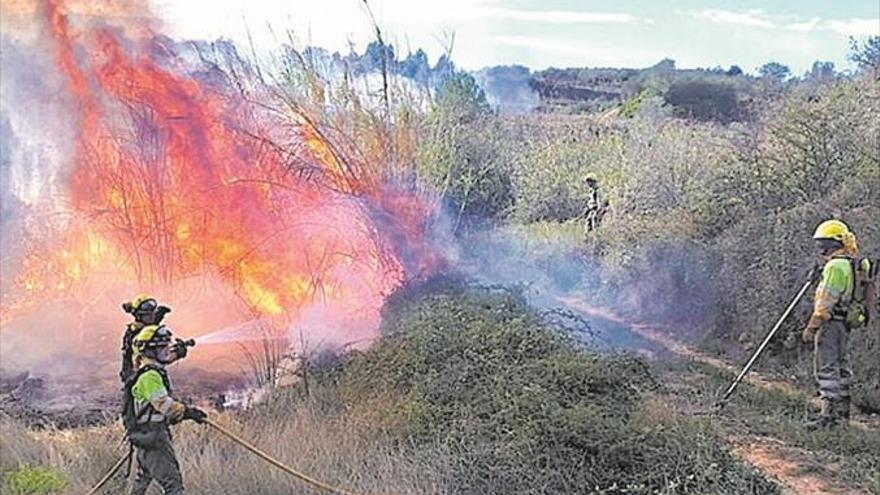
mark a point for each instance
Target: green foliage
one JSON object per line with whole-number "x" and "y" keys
{"x": 866, "y": 55}
{"x": 35, "y": 480}
{"x": 718, "y": 216}
{"x": 461, "y": 98}
{"x": 631, "y": 106}
{"x": 524, "y": 409}
{"x": 460, "y": 152}
{"x": 705, "y": 99}
{"x": 774, "y": 71}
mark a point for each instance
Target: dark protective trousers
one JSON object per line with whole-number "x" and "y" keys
{"x": 158, "y": 463}
{"x": 833, "y": 372}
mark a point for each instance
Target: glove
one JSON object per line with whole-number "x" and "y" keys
{"x": 809, "y": 334}
{"x": 195, "y": 414}
{"x": 180, "y": 349}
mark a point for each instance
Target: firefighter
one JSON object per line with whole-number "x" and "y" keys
{"x": 832, "y": 319}
{"x": 145, "y": 311}
{"x": 593, "y": 211}
{"x": 149, "y": 408}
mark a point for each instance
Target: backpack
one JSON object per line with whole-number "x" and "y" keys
{"x": 862, "y": 308}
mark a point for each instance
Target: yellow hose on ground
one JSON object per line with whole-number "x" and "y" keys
{"x": 109, "y": 474}
{"x": 235, "y": 438}
{"x": 275, "y": 462}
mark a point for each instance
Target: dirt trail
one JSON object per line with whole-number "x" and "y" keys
{"x": 792, "y": 467}
{"x": 795, "y": 469}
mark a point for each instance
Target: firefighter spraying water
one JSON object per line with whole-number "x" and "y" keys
{"x": 148, "y": 404}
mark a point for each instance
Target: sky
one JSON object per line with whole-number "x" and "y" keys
{"x": 549, "y": 33}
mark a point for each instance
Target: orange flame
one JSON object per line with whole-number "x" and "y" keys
{"x": 175, "y": 175}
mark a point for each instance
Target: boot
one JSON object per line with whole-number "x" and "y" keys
{"x": 842, "y": 409}
{"x": 825, "y": 419}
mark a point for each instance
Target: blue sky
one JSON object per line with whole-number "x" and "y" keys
{"x": 560, "y": 33}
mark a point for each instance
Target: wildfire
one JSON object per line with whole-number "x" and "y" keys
{"x": 174, "y": 174}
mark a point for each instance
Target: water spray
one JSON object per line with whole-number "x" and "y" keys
{"x": 248, "y": 331}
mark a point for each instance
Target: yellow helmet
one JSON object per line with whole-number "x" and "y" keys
{"x": 151, "y": 336}
{"x": 832, "y": 229}
{"x": 135, "y": 304}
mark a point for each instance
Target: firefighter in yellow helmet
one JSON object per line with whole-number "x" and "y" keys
{"x": 149, "y": 408}
{"x": 593, "y": 211}
{"x": 831, "y": 320}
{"x": 145, "y": 311}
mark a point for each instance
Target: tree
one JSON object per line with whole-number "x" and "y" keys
{"x": 866, "y": 55}
{"x": 415, "y": 66}
{"x": 461, "y": 97}
{"x": 375, "y": 60}
{"x": 774, "y": 71}
{"x": 821, "y": 71}
{"x": 734, "y": 70}
{"x": 443, "y": 70}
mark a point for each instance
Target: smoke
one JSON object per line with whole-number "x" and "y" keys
{"x": 508, "y": 88}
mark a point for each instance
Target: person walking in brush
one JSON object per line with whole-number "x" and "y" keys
{"x": 844, "y": 299}
{"x": 592, "y": 212}
{"x": 149, "y": 408}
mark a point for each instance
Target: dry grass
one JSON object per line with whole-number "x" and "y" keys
{"x": 329, "y": 449}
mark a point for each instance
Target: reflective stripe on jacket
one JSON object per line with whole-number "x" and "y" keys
{"x": 151, "y": 396}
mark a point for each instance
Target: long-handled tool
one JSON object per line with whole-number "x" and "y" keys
{"x": 275, "y": 462}
{"x": 742, "y": 374}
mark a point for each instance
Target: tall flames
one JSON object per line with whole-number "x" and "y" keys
{"x": 174, "y": 176}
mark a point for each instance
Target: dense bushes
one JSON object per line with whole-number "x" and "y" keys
{"x": 522, "y": 409}
{"x": 710, "y": 225}
{"x": 704, "y": 99}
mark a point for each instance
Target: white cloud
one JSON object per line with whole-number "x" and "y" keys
{"x": 856, "y": 27}
{"x": 562, "y": 16}
{"x": 754, "y": 17}
{"x": 759, "y": 19}
{"x": 806, "y": 26}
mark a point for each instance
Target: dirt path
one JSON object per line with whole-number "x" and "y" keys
{"x": 793, "y": 468}
{"x": 796, "y": 470}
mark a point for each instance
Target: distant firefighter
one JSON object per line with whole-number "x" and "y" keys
{"x": 596, "y": 208}
{"x": 845, "y": 299}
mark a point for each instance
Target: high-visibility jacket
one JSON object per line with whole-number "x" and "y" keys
{"x": 836, "y": 288}
{"x": 152, "y": 399}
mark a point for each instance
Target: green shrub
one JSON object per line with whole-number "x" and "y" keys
{"x": 38, "y": 480}
{"x": 522, "y": 408}
{"x": 705, "y": 99}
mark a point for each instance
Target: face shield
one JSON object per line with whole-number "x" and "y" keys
{"x": 161, "y": 349}
{"x": 166, "y": 355}
{"x": 146, "y": 312}
{"x": 825, "y": 247}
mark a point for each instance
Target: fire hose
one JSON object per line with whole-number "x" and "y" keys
{"x": 320, "y": 485}
{"x": 109, "y": 474}
{"x": 721, "y": 402}
{"x": 275, "y": 462}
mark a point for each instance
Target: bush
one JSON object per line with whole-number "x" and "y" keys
{"x": 28, "y": 480}
{"x": 461, "y": 155}
{"x": 524, "y": 409}
{"x": 704, "y": 99}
